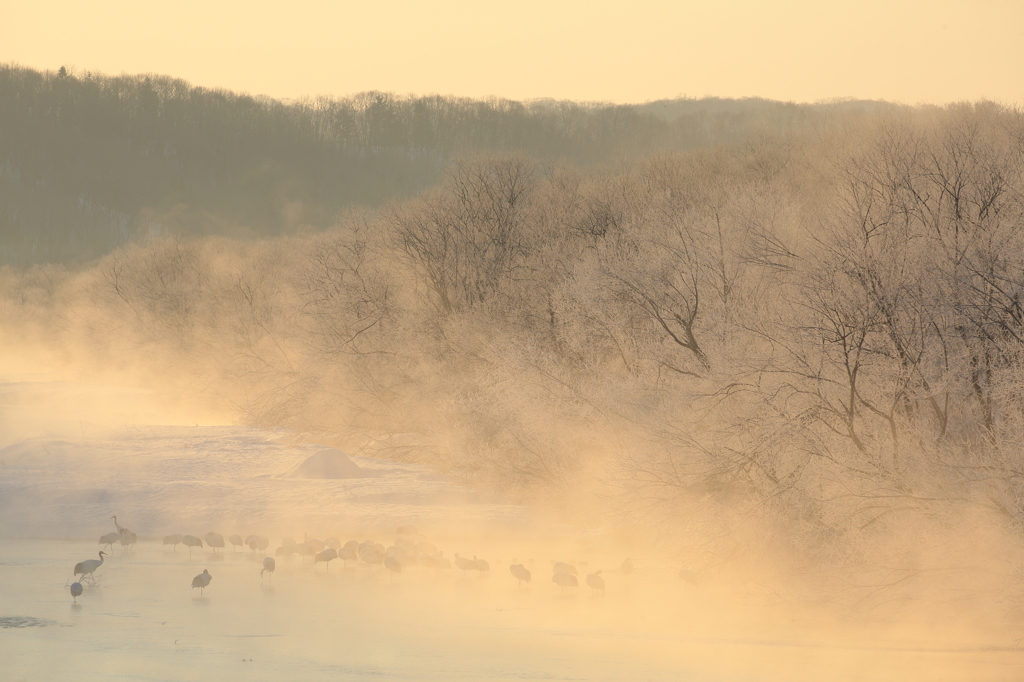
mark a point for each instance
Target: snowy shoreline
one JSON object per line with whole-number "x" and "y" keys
{"x": 164, "y": 479}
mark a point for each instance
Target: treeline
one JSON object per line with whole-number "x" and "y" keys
{"x": 89, "y": 162}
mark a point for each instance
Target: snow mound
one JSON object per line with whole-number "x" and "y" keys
{"x": 329, "y": 463}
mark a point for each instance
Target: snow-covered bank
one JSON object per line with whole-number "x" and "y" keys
{"x": 163, "y": 479}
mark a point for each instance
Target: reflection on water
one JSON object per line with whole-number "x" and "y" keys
{"x": 361, "y": 623}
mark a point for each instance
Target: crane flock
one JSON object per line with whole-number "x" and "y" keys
{"x": 408, "y": 549}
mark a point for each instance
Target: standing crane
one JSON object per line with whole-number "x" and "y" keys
{"x": 392, "y": 564}
{"x": 202, "y": 581}
{"x": 268, "y": 565}
{"x": 121, "y": 530}
{"x": 465, "y": 564}
{"x": 520, "y": 573}
{"x": 128, "y": 539}
{"x": 191, "y": 541}
{"x": 214, "y": 540}
{"x": 326, "y": 556}
{"x": 87, "y": 568}
{"x": 565, "y": 580}
{"x": 346, "y": 554}
{"x": 109, "y": 539}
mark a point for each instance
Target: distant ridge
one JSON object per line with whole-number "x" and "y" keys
{"x": 89, "y": 162}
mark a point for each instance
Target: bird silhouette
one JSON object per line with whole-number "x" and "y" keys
{"x": 465, "y": 564}
{"x": 565, "y": 580}
{"x": 346, "y": 554}
{"x": 109, "y": 539}
{"x": 191, "y": 541}
{"x": 87, "y": 568}
{"x": 595, "y": 581}
{"x": 326, "y": 556}
{"x": 369, "y": 554}
{"x": 121, "y": 530}
{"x": 202, "y": 581}
{"x": 314, "y": 544}
{"x": 393, "y": 565}
{"x": 562, "y": 567}
{"x": 304, "y": 549}
{"x": 268, "y": 566}
{"x": 520, "y": 573}
{"x": 174, "y": 540}
{"x": 76, "y": 591}
{"x": 215, "y": 540}
{"x": 236, "y": 541}
{"x": 128, "y": 539}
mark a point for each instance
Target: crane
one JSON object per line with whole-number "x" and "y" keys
{"x": 346, "y": 554}
{"x": 562, "y": 567}
{"x": 202, "y": 581}
{"x": 191, "y": 541}
{"x": 268, "y": 566}
{"x": 87, "y": 568}
{"x": 214, "y": 540}
{"x": 520, "y": 573}
{"x": 392, "y": 564}
{"x": 565, "y": 580}
{"x": 465, "y": 564}
{"x": 326, "y": 556}
{"x": 121, "y": 530}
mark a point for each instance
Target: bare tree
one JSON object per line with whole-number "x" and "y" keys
{"x": 468, "y": 238}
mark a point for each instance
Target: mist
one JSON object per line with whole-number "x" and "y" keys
{"x": 777, "y": 367}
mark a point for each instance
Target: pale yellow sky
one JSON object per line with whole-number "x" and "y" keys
{"x": 903, "y": 50}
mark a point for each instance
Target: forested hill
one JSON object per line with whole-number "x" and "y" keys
{"x": 87, "y": 162}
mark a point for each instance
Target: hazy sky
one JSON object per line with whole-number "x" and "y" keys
{"x": 905, "y": 50}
